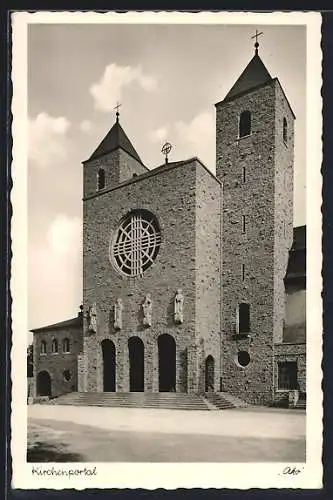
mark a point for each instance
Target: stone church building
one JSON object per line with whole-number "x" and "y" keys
{"x": 192, "y": 282}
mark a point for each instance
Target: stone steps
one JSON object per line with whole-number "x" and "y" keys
{"x": 300, "y": 405}
{"x": 236, "y": 402}
{"x": 179, "y": 401}
{"x": 224, "y": 401}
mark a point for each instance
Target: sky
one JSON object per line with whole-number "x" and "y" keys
{"x": 167, "y": 79}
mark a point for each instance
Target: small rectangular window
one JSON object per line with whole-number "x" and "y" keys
{"x": 287, "y": 375}
{"x": 244, "y": 174}
{"x": 243, "y": 223}
{"x": 244, "y": 318}
{"x": 243, "y": 272}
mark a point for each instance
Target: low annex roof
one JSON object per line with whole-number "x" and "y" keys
{"x": 70, "y": 323}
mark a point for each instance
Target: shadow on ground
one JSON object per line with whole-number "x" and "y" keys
{"x": 43, "y": 452}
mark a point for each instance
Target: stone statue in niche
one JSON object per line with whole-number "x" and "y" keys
{"x": 118, "y": 314}
{"x": 147, "y": 307}
{"x": 178, "y": 306}
{"x": 92, "y": 319}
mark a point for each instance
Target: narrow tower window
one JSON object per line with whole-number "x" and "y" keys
{"x": 285, "y": 130}
{"x": 100, "y": 179}
{"x": 243, "y": 272}
{"x": 66, "y": 345}
{"x": 244, "y": 174}
{"x": 54, "y": 346}
{"x": 244, "y": 318}
{"x": 245, "y": 124}
{"x": 43, "y": 347}
{"x": 243, "y": 223}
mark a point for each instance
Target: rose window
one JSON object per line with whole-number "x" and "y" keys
{"x": 136, "y": 243}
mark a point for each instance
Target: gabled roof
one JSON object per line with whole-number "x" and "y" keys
{"x": 70, "y": 323}
{"x": 254, "y": 75}
{"x": 114, "y": 139}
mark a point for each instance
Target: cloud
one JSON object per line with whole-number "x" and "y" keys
{"x": 109, "y": 89}
{"x": 197, "y": 138}
{"x": 47, "y": 139}
{"x": 55, "y": 272}
{"x": 86, "y": 126}
{"x": 64, "y": 235}
{"x": 158, "y": 135}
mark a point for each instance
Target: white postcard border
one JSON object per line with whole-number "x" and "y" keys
{"x": 180, "y": 475}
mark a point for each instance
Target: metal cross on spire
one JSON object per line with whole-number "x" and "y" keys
{"x": 166, "y": 148}
{"x": 256, "y": 45}
{"x": 117, "y": 108}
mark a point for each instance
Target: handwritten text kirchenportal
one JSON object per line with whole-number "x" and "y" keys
{"x": 40, "y": 471}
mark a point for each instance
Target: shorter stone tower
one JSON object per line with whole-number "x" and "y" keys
{"x": 114, "y": 161}
{"x": 254, "y": 161}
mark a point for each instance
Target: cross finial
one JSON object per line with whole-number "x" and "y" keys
{"x": 256, "y": 45}
{"x": 117, "y": 108}
{"x": 166, "y": 148}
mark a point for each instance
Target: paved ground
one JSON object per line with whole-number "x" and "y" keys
{"x": 67, "y": 434}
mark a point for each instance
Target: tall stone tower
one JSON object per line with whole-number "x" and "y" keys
{"x": 254, "y": 148}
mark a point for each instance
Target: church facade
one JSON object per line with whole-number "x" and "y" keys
{"x": 194, "y": 282}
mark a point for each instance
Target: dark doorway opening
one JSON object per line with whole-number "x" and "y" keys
{"x": 209, "y": 374}
{"x": 136, "y": 353}
{"x": 44, "y": 384}
{"x": 167, "y": 363}
{"x": 109, "y": 366}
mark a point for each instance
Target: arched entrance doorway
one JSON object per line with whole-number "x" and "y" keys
{"x": 209, "y": 374}
{"x": 167, "y": 363}
{"x": 44, "y": 384}
{"x": 136, "y": 352}
{"x": 109, "y": 366}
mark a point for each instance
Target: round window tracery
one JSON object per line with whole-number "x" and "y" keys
{"x": 136, "y": 243}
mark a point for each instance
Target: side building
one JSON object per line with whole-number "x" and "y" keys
{"x": 55, "y": 352}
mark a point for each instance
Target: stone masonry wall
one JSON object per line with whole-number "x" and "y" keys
{"x": 170, "y": 195}
{"x": 252, "y": 197}
{"x": 56, "y": 363}
{"x": 208, "y": 270}
{"x": 129, "y": 167}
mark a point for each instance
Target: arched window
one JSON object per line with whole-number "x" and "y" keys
{"x": 54, "y": 346}
{"x": 285, "y": 130}
{"x": 66, "y": 345}
{"x": 100, "y": 179}
{"x": 43, "y": 347}
{"x": 243, "y": 318}
{"x": 245, "y": 124}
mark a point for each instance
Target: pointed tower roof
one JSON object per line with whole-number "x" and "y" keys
{"x": 254, "y": 75}
{"x": 114, "y": 139}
